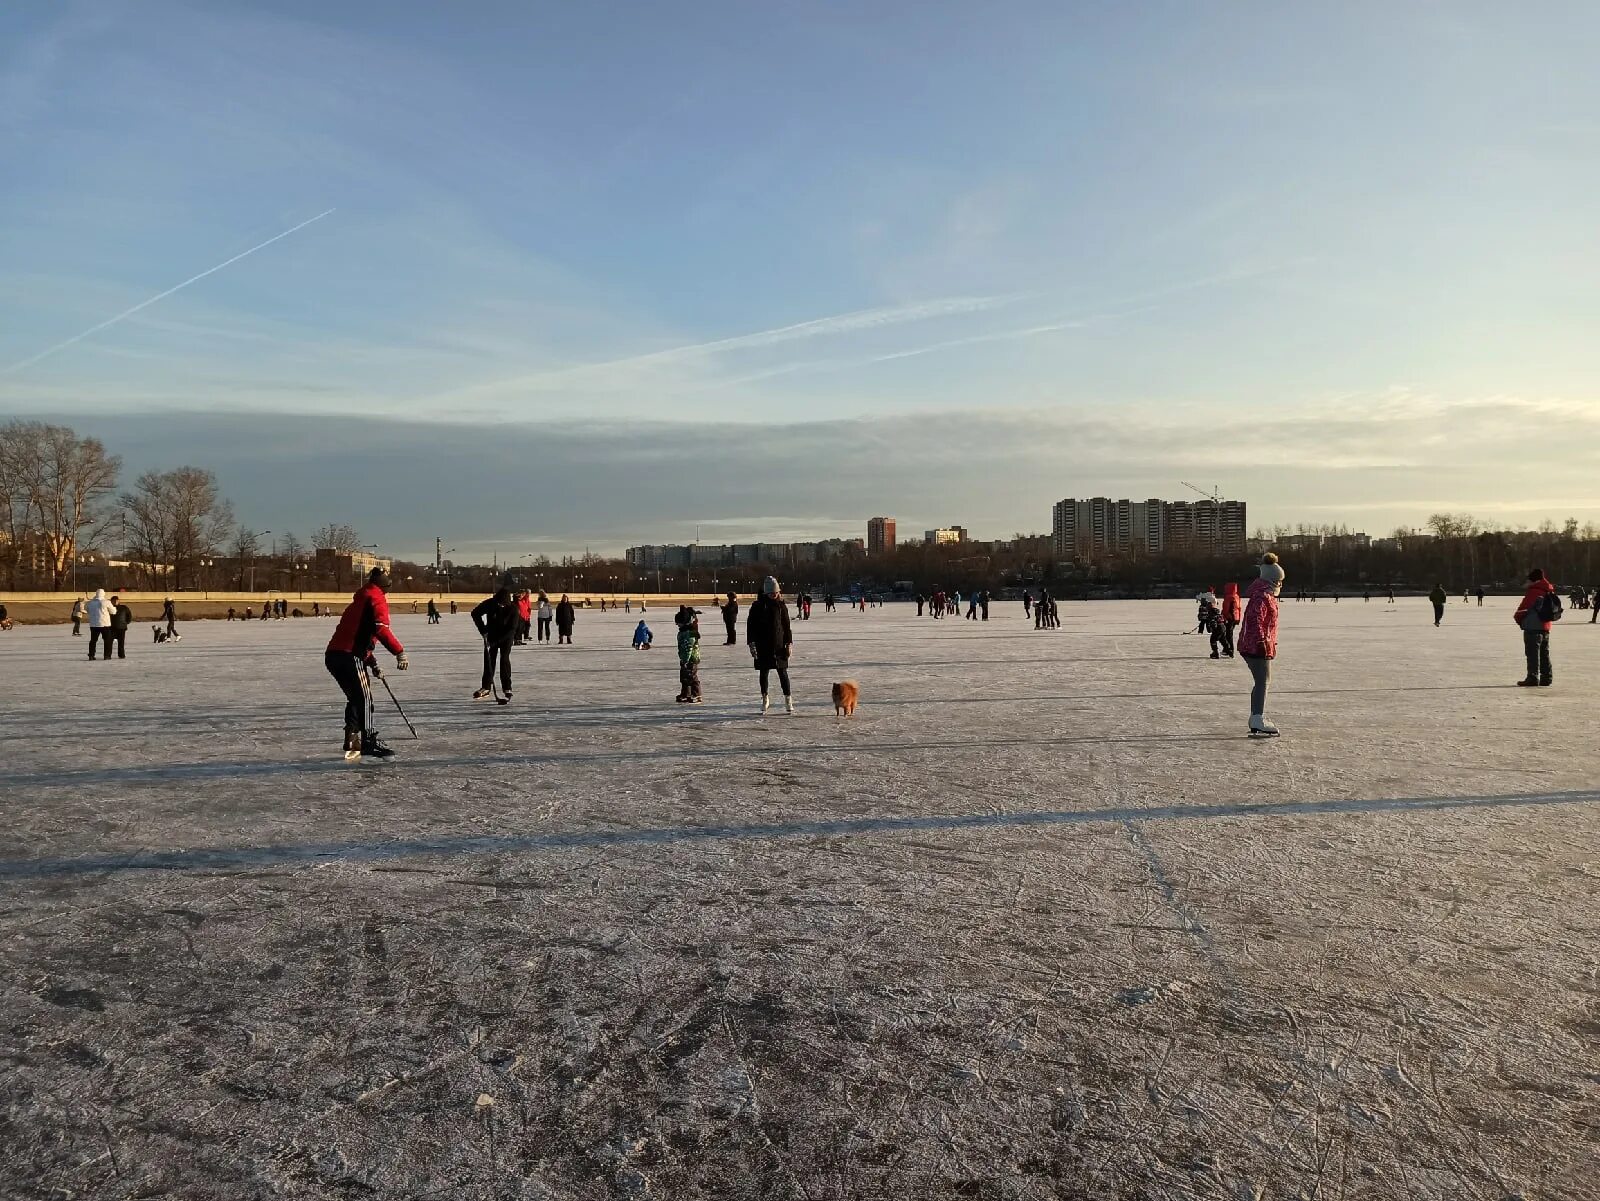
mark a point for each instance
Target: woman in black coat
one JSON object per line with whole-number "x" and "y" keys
{"x": 565, "y": 616}
{"x": 768, "y": 635}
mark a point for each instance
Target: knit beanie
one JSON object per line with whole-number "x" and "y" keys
{"x": 769, "y": 586}
{"x": 1271, "y": 572}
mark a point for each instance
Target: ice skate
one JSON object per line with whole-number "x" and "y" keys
{"x": 766, "y": 703}
{"x": 372, "y": 745}
{"x": 352, "y": 746}
{"x": 1260, "y": 727}
{"x": 788, "y": 704}
{"x": 481, "y": 695}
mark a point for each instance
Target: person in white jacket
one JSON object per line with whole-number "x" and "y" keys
{"x": 100, "y": 611}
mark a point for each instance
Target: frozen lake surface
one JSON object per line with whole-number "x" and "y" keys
{"x": 1039, "y": 922}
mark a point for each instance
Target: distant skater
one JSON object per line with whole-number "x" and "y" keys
{"x": 524, "y": 616}
{"x": 78, "y": 614}
{"x": 1230, "y": 617}
{"x": 364, "y": 623}
{"x": 433, "y": 612}
{"x": 642, "y": 637}
{"x": 1258, "y": 640}
{"x": 547, "y": 615}
{"x": 169, "y": 614}
{"x": 1540, "y": 607}
{"x": 1027, "y": 605}
{"x": 770, "y": 637}
{"x": 1438, "y": 596}
{"x": 566, "y": 617}
{"x": 1480, "y": 596}
{"x": 499, "y": 622}
{"x": 730, "y": 618}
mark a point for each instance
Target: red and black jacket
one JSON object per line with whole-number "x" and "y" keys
{"x": 365, "y": 621}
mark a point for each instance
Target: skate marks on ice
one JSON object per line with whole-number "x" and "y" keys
{"x": 472, "y": 845}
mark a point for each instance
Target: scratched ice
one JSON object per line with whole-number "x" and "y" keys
{"x": 1039, "y": 921}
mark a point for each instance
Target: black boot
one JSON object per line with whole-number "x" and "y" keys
{"x": 372, "y": 745}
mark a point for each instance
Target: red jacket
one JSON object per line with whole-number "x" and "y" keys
{"x": 1230, "y": 602}
{"x": 1536, "y": 589}
{"x": 365, "y": 621}
{"x": 525, "y": 607}
{"x": 1258, "y": 636}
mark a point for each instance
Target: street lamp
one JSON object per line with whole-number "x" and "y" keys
{"x": 263, "y": 534}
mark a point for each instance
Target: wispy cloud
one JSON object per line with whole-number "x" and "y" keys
{"x": 144, "y": 304}
{"x": 856, "y": 322}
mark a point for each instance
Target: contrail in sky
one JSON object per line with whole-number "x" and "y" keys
{"x": 144, "y": 304}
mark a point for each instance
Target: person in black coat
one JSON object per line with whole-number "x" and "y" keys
{"x": 730, "y": 618}
{"x": 120, "y": 621}
{"x": 169, "y": 614}
{"x": 497, "y": 620}
{"x": 768, "y": 634}
{"x": 566, "y": 615}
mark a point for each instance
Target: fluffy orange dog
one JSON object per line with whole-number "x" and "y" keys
{"x": 844, "y": 698}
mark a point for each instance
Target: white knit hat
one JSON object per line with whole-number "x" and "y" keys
{"x": 769, "y": 586}
{"x": 1272, "y": 573}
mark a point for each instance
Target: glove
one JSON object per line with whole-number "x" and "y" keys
{"x": 402, "y": 663}
{"x": 377, "y": 672}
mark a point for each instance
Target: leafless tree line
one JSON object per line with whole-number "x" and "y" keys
{"x": 175, "y": 529}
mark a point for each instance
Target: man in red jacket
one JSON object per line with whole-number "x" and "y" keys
{"x": 365, "y": 622}
{"x": 1535, "y": 630}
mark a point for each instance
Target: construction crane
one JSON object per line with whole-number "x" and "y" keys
{"x": 1215, "y": 495}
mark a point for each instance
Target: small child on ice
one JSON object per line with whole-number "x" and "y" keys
{"x": 642, "y": 637}
{"x": 689, "y": 657}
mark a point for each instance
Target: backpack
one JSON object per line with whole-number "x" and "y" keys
{"x": 1549, "y": 607}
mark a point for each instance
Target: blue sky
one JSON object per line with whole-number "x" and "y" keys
{"x": 1339, "y": 260}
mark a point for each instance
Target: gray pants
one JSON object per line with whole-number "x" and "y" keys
{"x": 1536, "y": 643}
{"x": 1261, "y": 671}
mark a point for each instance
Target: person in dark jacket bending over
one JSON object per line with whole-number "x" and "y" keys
{"x": 364, "y": 623}
{"x": 768, "y": 634}
{"x": 730, "y": 618}
{"x": 499, "y": 622}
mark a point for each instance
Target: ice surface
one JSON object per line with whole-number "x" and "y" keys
{"x": 1039, "y": 922}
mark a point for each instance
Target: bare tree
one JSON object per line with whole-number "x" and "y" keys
{"x": 75, "y": 478}
{"x": 291, "y": 550}
{"x": 176, "y": 520}
{"x": 340, "y": 538}
{"x": 246, "y": 545}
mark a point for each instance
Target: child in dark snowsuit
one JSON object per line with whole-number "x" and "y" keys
{"x": 689, "y": 657}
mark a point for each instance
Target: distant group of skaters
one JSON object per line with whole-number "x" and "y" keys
{"x": 502, "y": 620}
{"x": 1246, "y": 627}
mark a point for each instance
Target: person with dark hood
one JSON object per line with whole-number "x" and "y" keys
{"x": 566, "y": 617}
{"x": 121, "y": 619}
{"x": 433, "y": 612}
{"x": 499, "y": 623}
{"x": 768, "y": 633}
{"x": 364, "y": 623}
{"x": 1539, "y": 608}
{"x": 1438, "y": 596}
{"x": 730, "y": 618}
{"x": 689, "y": 656}
{"x": 169, "y": 614}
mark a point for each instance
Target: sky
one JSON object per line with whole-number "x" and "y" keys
{"x": 537, "y": 277}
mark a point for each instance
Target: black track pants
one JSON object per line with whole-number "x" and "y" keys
{"x": 347, "y": 670}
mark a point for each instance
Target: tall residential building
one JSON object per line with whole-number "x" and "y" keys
{"x": 880, "y": 536}
{"x": 945, "y": 534}
{"x": 1101, "y": 527}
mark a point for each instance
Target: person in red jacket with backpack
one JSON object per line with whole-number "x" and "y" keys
{"x": 1539, "y": 608}
{"x": 364, "y": 623}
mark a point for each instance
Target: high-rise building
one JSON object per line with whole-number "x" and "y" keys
{"x": 880, "y": 536}
{"x": 945, "y": 534}
{"x": 1101, "y": 527}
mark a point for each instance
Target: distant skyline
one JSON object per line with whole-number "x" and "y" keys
{"x": 551, "y": 276}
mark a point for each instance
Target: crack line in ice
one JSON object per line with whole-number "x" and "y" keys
{"x": 202, "y": 857}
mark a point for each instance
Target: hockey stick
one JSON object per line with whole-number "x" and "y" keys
{"x": 396, "y": 700}
{"x": 494, "y": 685}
